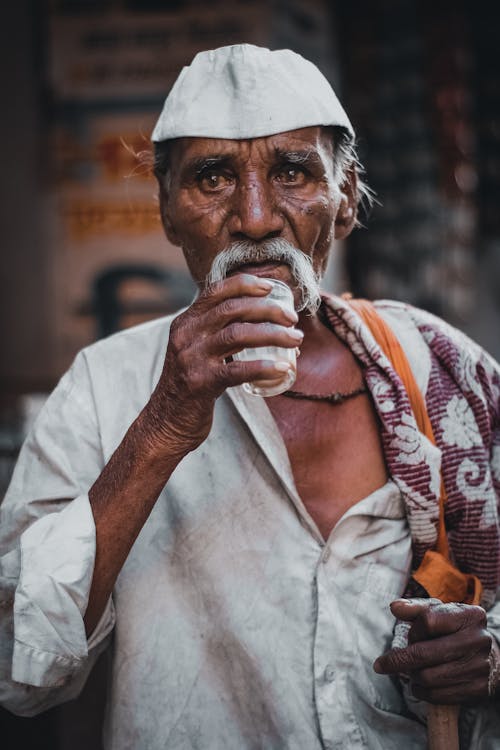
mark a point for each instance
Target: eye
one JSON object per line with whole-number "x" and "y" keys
{"x": 291, "y": 175}
{"x": 212, "y": 180}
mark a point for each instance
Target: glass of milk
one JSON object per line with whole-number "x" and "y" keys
{"x": 282, "y": 294}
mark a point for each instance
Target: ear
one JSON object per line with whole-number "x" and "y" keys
{"x": 345, "y": 221}
{"x": 165, "y": 216}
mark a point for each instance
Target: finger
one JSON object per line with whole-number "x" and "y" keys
{"x": 431, "y": 618}
{"x": 443, "y": 619}
{"x": 237, "y": 336}
{"x": 239, "y": 372}
{"x": 233, "y": 299}
{"x": 409, "y": 609}
{"x": 207, "y": 378}
{"x": 473, "y": 667}
{"x": 464, "y": 692}
{"x": 241, "y": 285}
{"x": 430, "y": 653}
{"x": 251, "y": 310}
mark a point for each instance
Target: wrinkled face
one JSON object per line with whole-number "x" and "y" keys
{"x": 222, "y": 191}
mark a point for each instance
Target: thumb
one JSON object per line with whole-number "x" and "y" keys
{"x": 409, "y": 609}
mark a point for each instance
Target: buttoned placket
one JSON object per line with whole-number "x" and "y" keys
{"x": 329, "y": 666}
{"x": 333, "y": 653}
{"x": 334, "y": 645}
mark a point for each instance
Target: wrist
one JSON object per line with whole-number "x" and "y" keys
{"x": 161, "y": 440}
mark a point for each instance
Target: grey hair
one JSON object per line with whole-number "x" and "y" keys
{"x": 274, "y": 249}
{"x": 161, "y": 162}
{"x": 345, "y": 157}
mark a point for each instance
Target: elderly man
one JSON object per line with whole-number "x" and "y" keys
{"x": 238, "y": 555}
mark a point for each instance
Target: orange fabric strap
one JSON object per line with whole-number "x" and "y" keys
{"x": 436, "y": 573}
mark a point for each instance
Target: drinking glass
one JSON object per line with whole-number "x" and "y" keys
{"x": 282, "y": 294}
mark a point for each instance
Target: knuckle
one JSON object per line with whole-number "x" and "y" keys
{"x": 227, "y": 373}
{"x": 196, "y": 379}
{"x": 182, "y": 360}
{"x": 469, "y": 614}
{"x": 211, "y": 290}
{"x": 222, "y": 371}
{"x": 229, "y": 335}
{"x": 177, "y": 323}
{"x": 174, "y": 346}
{"x": 428, "y": 618}
{"x": 177, "y": 335}
{"x": 227, "y": 308}
{"x": 477, "y": 614}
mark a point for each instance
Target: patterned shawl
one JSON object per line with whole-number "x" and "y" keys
{"x": 463, "y": 402}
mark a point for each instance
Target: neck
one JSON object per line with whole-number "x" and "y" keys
{"x": 325, "y": 363}
{"x": 316, "y": 333}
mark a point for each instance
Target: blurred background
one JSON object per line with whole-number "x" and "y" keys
{"x": 83, "y": 253}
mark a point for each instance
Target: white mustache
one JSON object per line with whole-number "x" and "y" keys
{"x": 275, "y": 249}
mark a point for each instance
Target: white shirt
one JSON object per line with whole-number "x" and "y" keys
{"x": 232, "y": 624}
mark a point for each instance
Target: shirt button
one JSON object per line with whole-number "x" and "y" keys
{"x": 326, "y": 555}
{"x": 329, "y": 673}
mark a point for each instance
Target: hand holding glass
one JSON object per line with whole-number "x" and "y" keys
{"x": 282, "y": 294}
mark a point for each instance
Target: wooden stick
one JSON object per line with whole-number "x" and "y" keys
{"x": 442, "y": 728}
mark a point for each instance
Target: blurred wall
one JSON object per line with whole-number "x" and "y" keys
{"x": 421, "y": 83}
{"x": 25, "y": 258}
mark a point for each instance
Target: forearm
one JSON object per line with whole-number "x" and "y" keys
{"x": 121, "y": 500}
{"x": 223, "y": 320}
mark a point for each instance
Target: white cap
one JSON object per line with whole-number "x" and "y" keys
{"x": 244, "y": 91}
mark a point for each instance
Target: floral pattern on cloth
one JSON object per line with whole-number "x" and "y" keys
{"x": 463, "y": 403}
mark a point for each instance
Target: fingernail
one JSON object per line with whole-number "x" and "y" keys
{"x": 297, "y": 334}
{"x": 403, "y": 602}
{"x": 264, "y": 284}
{"x": 291, "y": 315}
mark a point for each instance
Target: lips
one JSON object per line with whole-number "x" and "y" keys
{"x": 272, "y": 269}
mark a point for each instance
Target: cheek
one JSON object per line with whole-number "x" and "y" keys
{"x": 200, "y": 221}
{"x": 313, "y": 216}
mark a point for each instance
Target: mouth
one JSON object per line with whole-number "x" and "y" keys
{"x": 273, "y": 269}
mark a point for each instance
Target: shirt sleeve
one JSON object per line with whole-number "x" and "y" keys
{"x": 57, "y": 562}
{"x": 47, "y": 554}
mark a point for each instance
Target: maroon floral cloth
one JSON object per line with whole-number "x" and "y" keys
{"x": 463, "y": 402}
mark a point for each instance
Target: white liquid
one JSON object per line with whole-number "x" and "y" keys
{"x": 282, "y": 294}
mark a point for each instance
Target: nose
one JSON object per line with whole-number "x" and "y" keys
{"x": 254, "y": 213}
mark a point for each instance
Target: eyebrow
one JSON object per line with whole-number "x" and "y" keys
{"x": 198, "y": 164}
{"x": 309, "y": 156}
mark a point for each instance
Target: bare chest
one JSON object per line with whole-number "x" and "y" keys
{"x": 335, "y": 453}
